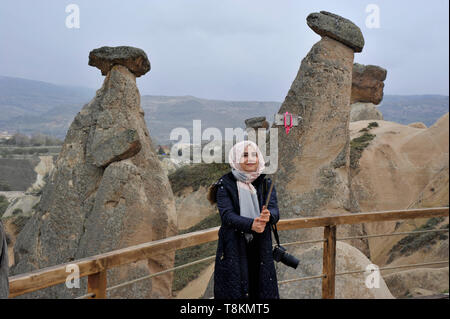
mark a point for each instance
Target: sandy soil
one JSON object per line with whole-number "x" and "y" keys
{"x": 403, "y": 167}
{"x": 196, "y": 288}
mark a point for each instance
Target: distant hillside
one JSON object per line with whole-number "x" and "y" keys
{"x": 406, "y": 109}
{"x": 163, "y": 113}
{"x": 30, "y": 106}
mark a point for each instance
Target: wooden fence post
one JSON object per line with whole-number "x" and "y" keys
{"x": 329, "y": 262}
{"x": 97, "y": 285}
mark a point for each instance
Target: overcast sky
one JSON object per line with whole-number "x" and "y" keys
{"x": 232, "y": 50}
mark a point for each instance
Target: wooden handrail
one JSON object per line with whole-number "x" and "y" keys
{"x": 50, "y": 276}
{"x": 357, "y": 218}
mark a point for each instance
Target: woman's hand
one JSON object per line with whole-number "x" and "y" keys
{"x": 259, "y": 223}
{"x": 265, "y": 214}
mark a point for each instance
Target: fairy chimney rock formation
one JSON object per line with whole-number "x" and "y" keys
{"x": 108, "y": 190}
{"x": 313, "y": 177}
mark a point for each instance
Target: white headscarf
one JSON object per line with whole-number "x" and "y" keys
{"x": 248, "y": 198}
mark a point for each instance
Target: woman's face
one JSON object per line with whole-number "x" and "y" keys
{"x": 249, "y": 160}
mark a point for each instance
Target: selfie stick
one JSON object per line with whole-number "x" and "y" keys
{"x": 270, "y": 193}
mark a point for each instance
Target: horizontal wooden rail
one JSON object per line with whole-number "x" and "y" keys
{"x": 362, "y": 271}
{"x": 50, "y": 276}
{"x": 357, "y": 218}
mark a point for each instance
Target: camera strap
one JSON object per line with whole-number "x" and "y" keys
{"x": 275, "y": 233}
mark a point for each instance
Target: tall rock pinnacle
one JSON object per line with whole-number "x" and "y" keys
{"x": 313, "y": 167}
{"x": 108, "y": 190}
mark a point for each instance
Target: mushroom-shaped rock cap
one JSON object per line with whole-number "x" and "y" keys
{"x": 134, "y": 59}
{"x": 338, "y": 28}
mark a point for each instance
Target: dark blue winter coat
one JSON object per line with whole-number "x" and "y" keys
{"x": 231, "y": 278}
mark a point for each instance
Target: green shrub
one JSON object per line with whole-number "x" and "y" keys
{"x": 196, "y": 175}
{"x": 413, "y": 242}
{"x": 357, "y": 146}
{"x": 17, "y": 211}
{"x": 372, "y": 124}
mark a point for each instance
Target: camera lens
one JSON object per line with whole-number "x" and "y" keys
{"x": 290, "y": 260}
{"x": 280, "y": 254}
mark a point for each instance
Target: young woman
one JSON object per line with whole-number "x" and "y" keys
{"x": 244, "y": 267}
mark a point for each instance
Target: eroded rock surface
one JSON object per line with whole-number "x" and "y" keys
{"x": 108, "y": 191}
{"x": 368, "y": 83}
{"x": 313, "y": 167}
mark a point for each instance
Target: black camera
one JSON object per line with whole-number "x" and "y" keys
{"x": 280, "y": 254}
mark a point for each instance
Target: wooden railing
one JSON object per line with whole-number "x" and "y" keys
{"x": 96, "y": 267}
